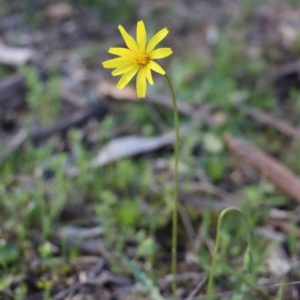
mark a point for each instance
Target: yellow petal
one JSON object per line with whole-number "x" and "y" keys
{"x": 122, "y": 69}
{"x": 160, "y": 53}
{"x": 156, "y": 67}
{"x": 129, "y": 40}
{"x": 141, "y": 84}
{"x": 127, "y": 77}
{"x": 121, "y": 51}
{"x": 149, "y": 75}
{"x": 141, "y": 35}
{"x": 114, "y": 63}
{"x": 156, "y": 39}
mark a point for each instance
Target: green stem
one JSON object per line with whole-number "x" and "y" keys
{"x": 175, "y": 206}
{"x": 210, "y": 287}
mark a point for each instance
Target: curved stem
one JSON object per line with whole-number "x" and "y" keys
{"x": 175, "y": 205}
{"x": 210, "y": 287}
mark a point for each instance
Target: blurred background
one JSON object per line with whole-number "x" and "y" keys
{"x": 87, "y": 170}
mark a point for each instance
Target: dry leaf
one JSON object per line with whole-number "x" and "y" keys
{"x": 72, "y": 232}
{"x": 289, "y": 33}
{"x": 108, "y": 89}
{"x": 130, "y": 146}
{"x": 15, "y": 56}
{"x": 279, "y": 175}
{"x": 279, "y": 262}
{"x": 59, "y": 11}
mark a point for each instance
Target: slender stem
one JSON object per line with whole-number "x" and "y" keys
{"x": 210, "y": 287}
{"x": 175, "y": 206}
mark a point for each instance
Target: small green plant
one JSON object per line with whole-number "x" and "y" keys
{"x": 43, "y": 98}
{"x": 248, "y": 257}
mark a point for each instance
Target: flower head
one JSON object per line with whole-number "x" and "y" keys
{"x": 138, "y": 58}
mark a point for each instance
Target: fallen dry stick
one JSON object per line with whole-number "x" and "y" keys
{"x": 281, "y": 177}
{"x": 273, "y": 121}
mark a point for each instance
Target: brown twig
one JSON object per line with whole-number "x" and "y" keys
{"x": 273, "y": 121}
{"x": 279, "y": 175}
{"x": 197, "y": 289}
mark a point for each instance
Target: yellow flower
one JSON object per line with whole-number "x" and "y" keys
{"x": 138, "y": 58}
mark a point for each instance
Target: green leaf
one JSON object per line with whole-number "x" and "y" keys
{"x": 9, "y": 253}
{"x": 144, "y": 280}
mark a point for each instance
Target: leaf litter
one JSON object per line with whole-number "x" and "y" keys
{"x": 53, "y": 40}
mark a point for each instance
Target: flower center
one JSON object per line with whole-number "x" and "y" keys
{"x": 142, "y": 59}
